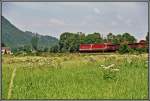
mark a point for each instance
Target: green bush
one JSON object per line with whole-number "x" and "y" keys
{"x": 124, "y": 49}
{"x": 54, "y": 49}
{"x": 141, "y": 50}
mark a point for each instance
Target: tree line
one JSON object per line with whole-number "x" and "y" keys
{"x": 70, "y": 42}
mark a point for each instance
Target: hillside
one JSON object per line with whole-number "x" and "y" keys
{"x": 14, "y": 37}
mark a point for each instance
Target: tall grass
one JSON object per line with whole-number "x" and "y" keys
{"x": 76, "y": 76}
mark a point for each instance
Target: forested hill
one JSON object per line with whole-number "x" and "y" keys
{"x": 14, "y": 37}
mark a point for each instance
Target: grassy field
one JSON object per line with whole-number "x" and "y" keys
{"x": 75, "y": 76}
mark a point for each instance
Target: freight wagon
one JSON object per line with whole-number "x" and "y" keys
{"x": 108, "y": 47}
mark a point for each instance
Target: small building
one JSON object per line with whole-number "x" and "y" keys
{"x": 6, "y": 50}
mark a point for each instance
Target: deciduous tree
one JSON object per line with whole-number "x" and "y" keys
{"x": 34, "y": 42}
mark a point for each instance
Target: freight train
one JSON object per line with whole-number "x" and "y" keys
{"x": 109, "y": 47}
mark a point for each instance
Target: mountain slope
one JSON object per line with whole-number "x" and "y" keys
{"x": 14, "y": 37}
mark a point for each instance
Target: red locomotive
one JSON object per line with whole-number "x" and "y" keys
{"x": 108, "y": 46}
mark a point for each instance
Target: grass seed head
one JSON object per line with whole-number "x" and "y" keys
{"x": 109, "y": 67}
{"x": 115, "y": 70}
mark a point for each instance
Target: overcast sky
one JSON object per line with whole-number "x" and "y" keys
{"x": 53, "y": 18}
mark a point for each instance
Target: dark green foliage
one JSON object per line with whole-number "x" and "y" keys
{"x": 27, "y": 48}
{"x": 20, "y": 48}
{"x": 69, "y": 42}
{"x": 34, "y": 42}
{"x": 45, "y": 49}
{"x": 54, "y": 49}
{"x": 92, "y": 38}
{"x": 124, "y": 49}
{"x": 117, "y": 39}
{"x": 110, "y": 37}
{"x": 132, "y": 50}
{"x": 114, "y": 39}
{"x": 127, "y": 37}
{"x": 14, "y": 38}
{"x": 141, "y": 50}
{"x": 2, "y": 45}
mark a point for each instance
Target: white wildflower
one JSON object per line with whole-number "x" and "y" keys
{"x": 147, "y": 61}
{"x": 116, "y": 70}
{"x": 129, "y": 60}
{"x": 108, "y": 67}
{"x": 102, "y": 65}
{"x": 112, "y": 65}
{"x": 105, "y": 67}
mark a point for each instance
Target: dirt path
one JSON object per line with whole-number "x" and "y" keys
{"x": 11, "y": 83}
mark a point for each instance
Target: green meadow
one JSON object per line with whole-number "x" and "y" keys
{"x": 75, "y": 76}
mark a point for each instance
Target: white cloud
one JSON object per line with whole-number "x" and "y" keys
{"x": 96, "y": 10}
{"x": 128, "y": 22}
{"x": 56, "y": 17}
{"x": 119, "y": 17}
{"x": 75, "y": 3}
{"x": 56, "y": 22}
{"x": 114, "y": 23}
